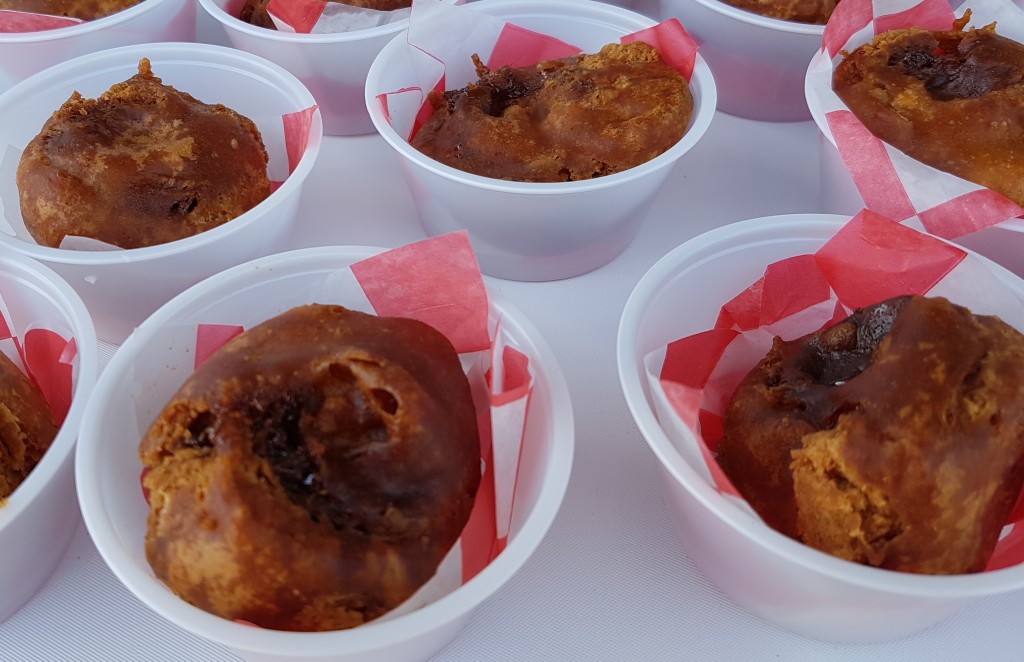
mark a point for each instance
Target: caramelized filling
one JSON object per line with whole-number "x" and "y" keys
{"x": 957, "y": 69}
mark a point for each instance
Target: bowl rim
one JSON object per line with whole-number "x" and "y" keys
{"x": 549, "y": 381}
{"x": 197, "y": 54}
{"x": 41, "y": 277}
{"x": 702, "y": 83}
{"x": 86, "y": 27}
{"x": 767, "y": 540}
{"x": 752, "y": 18}
{"x": 231, "y": 22}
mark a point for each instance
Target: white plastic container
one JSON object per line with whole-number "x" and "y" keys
{"x": 333, "y": 66}
{"x": 25, "y": 53}
{"x": 108, "y": 466}
{"x": 758, "y": 62}
{"x": 537, "y": 231}
{"x": 41, "y": 515}
{"x": 121, "y": 287}
{"x": 767, "y": 573}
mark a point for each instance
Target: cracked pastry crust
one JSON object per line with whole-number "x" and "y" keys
{"x": 953, "y": 100}
{"x": 143, "y": 164}
{"x": 894, "y": 438}
{"x": 86, "y": 10}
{"x": 27, "y": 427}
{"x": 561, "y": 120}
{"x": 798, "y": 11}
{"x": 255, "y": 11}
{"x": 313, "y": 473}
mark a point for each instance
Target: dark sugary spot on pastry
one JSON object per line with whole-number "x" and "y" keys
{"x": 313, "y": 472}
{"x": 842, "y": 351}
{"x": 963, "y": 69}
{"x": 86, "y": 10}
{"x": 497, "y": 90}
{"x": 201, "y": 432}
{"x": 274, "y": 420}
{"x": 561, "y": 120}
{"x": 951, "y": 99}
{"x": 143, "y": 164}
{"x": 830, "y": 358}
{"x": 385, "y": 400}
{"x": 280, "y": 422}
{"x": 185, "y": 206}
{"x": 894, "y": 438}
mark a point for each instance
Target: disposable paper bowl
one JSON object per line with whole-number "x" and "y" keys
{"x": 332, "y": 66}
{"x": 758, "y": 62}
{"x": 122, "y": 287}
{"x": 25, "y": 53}
{"x": 538, "y": 231}
{"x": 1002, "y": 243}
{"x": 108, "y": 466}
{"x": 41, "y": 515}
{"x": 769, "y": 574}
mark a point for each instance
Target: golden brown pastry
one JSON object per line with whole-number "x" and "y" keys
{"x": 313, "y": 473}
{"x": 143, "y": 164}
{"x": 953, "y": 100}
{"x": 798, "y": 11}
{"x": 27, "y": 427}
{"x": 561, "y": 120}
{"x": 86, "y": 10}
{"x": 255, "y": 11}
{"x": 894, "y": 438}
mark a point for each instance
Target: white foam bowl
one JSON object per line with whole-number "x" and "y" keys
{"x": 776, "y": 578}
{"x": 41, "y": 515}
{"x": 758, "y": 62}
{"x": 333, "y": 66}
{"x": 25, "y": 53}
{"x": 122, "y": 287}
{"x": 108, "y": 466}
{"x": 537, "y": 231}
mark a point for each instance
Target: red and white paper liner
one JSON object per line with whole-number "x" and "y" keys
{"x": 892, "y": 183}
{"x": 44, "y": 349}
{"x": 443, "y": 38}
{"x": 872, "y": 258}
{"x": 320, "y": 17}
{"x": 19, "y": 21}
{"x": 437, "y": 281}
{"x": 285, "y": 136}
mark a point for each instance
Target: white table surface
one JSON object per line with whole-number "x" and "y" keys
{"x": 611, "y": 581}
